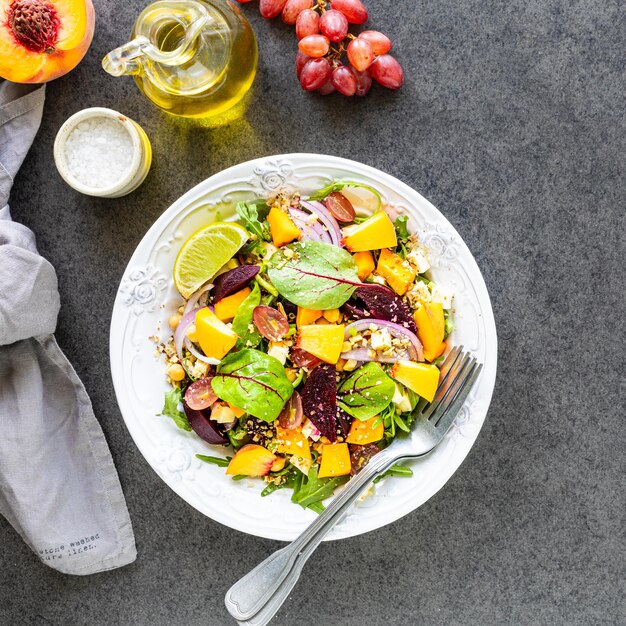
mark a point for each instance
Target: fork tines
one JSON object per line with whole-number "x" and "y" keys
{"x": 458, "y": 374}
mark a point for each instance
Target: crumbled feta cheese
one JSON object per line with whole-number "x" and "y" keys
{"x": 289, "y": 253}
{"x": 310, "y": 431}
{"x": 418, "y": 260}
{"x": 279, "y": 351}
{"x": 304, "y": 465}
{"x": 401, "y": 400}
{"x": 418, "y": 294}
{"x": 270, "y": 248}
{"x": 378, "y": 279}
{"x": 381, "y": 339}
{"x": 443, "y": 295}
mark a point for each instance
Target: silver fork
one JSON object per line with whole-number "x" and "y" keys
{"x": 255, "y": 598}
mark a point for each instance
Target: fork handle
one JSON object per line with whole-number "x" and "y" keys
{"x": 264, "y": 584}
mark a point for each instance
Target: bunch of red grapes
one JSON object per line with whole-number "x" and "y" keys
{"x": 324, "y": 38}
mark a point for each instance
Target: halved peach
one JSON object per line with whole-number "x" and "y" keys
{"x": 251, "y": 460}
{"x": 43, "y": 39}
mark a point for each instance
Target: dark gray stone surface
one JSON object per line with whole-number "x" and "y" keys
{"x": 511, "y": 123}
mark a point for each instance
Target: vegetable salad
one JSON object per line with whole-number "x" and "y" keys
{"x": 307, "y": 352}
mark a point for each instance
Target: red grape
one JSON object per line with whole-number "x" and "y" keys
{"x": 314, "y": 45}
{"x": 301, "y": 358}
{"x": 269, "y": 9}
{"x": 380, "y": 43}
{"x": 314, "y": 74}
{"x": 291, "y": 416}
{"x": 334, "y": 25}
{"x": 363, "y": 82}
{"x": 308, "y": 23}
{"x": 340, "y": 207}
{"x": 388, "y": 72}
{"x": 301, "y": 60}
{"x": 293, "y": 8}
{"x": 272, "y": 324}
{"x": 352, "y": 9}
{"x": 344, "y": 82}
{"x": 360, "y": 54}
{"x": 327, "y": 88}
{"x": 200, "y": 394}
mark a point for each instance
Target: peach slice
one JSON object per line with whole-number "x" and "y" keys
{"x": 251, "y": 460}
{"x": 324, "y": 342}
{"x": 374, "y": 233}
{"x": 422, "y": 378}
{"x": 43, "y": 39}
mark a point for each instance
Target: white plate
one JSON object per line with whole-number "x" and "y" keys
{"x": 147, "y": 297}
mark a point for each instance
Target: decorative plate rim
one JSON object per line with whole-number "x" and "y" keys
{"x": 142, "y": 283}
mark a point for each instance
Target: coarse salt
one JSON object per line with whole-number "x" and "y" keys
{"x": 98, "y": 152}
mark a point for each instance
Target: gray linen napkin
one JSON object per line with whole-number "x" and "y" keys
{"x": 58, "y": 486}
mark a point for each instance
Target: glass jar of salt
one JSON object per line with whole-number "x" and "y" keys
{"x": 101, "y": 152}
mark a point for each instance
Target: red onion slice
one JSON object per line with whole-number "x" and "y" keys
{"x": 325, "y": 216}
{"x": 311, "y": 230}
{"x": 195, "y": 297}
{"x": 414, "y": 352}
{"x": 181, "y": 339}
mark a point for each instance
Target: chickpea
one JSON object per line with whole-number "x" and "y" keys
{"x": 175, "y": 320}
{"x": 175, "y": 372}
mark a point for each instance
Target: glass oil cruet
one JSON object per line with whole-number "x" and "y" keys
{"x": 193, "y": 58}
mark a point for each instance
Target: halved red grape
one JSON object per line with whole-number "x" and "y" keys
{"x": 352, "y": 9}
{"x": 334, "y": 25}
{"x": 200, "y": 395}
{"x": 302, "y": 358}
{"x": 269, "y": 9}
{"x": 233, "y": 280}
{"x": 301, "y": 60}
{"x": 363, "y": 82}
{"x": 293, "y": 8}
{"x": 319, "y": 399}
{"x": 314, "y": 74}
{"x": 380, "y": 43}
{"x": 291, "y": 416}
{"x": 308, "y": 23}
{"x": 314, "y": 45}
{"x": 272, "y": 324}
{"x": 360, "y": 54}
{"x": 340, "y": 207}
{"x": 388, "y": 72}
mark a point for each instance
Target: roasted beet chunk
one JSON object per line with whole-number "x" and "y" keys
{"x": 233, "y": 281}
{"x": 384, "y": 304}
{"x": 201, "y": 424}
{"x": 319, "y": 400}
{"x": 353, "y": 313}
{"x": 344, "y": 421}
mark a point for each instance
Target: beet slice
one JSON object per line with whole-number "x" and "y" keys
{"x": 202, "y": 425}
{"x": 384, "y": 304}
{"x": 319, "y": 399}
{"x": 234, "y": 280}
{"x": 353, "y": 313}
{"x": 361, "y": 455}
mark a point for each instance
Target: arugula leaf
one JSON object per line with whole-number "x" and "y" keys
{"x": 402, "y": 230}
{"x": 314, "y": 274}
{"x": 170, "y": 409}
{"x": 313, "y": 490}
{"x": 339, "y": 185}
{"x": 366, "y": 392}
{"x": 215, "y": 460}
{"x": 250, "y": 215}
{"x": 395, "y": 470}
{"x": 253, "y": 381}
{"x": 243, "y": 320}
